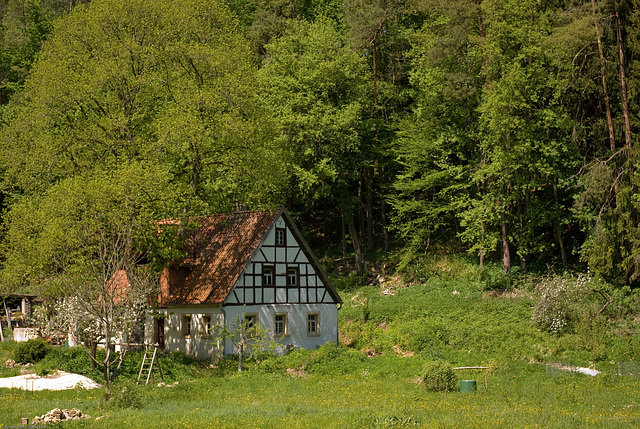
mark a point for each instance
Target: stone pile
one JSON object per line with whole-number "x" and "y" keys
{"x": 57, "y": 415}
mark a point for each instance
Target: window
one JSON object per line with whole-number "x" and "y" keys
{"x": 186, "y": 325}
{"x": 313, "y": 324}
{"x": 206, "y": 326}
{"x": 250, "y": 320}
{"x": 267, "y": 276}
{"x": 292, "y": 277}
{"x": 280, "y": 237}
{"x": 280, "y": 325}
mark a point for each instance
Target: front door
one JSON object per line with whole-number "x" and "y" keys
{"x": 158, "y": 332}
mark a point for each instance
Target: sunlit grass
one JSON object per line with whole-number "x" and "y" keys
{"x": 275, "y": 400}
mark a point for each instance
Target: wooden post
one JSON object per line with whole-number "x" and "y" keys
{"x": 8, "y": 315}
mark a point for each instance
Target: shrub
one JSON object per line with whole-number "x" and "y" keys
{"x": 73, "y": 359}
{"x": 438, "y": 375}
{"x": 31, "y": 351}
{"x": 561, "y": 302}
{"x": 125, "y": 395}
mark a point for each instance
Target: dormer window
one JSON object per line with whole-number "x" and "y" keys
{"x": 280, "y": 237}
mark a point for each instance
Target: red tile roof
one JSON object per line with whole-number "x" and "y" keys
{"x": 223, "y": 246}
{"x": 118, "y": 287}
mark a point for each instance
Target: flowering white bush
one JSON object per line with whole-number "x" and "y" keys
{"x": 557, "y": 299}
{"x": 53, "y": 317}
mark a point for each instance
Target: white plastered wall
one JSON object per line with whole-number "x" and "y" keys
{"x": 296, "y": 323}
{"x": 197, "y": 344}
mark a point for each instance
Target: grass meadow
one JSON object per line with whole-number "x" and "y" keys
{"x": 259, "y": 400}
{"x": 445, "y": 309}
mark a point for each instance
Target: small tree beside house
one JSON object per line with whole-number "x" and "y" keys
{"x": 247, "y": 337}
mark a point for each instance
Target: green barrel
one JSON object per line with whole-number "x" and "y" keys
{"x": 467, "y": 385}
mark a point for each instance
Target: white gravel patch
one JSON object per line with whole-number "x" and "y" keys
{"x": 59, "y": 381}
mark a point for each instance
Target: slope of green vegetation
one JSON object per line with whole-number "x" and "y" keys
{"x": 450, "y": 309}
{"x": 441, "y": 308}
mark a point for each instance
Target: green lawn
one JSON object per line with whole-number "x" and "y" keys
{"x": 257, "y": 400}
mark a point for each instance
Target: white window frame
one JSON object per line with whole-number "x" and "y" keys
{"x": 283, "y": 242}
{"x": 316, "y": 322}
{"x": 186, "y": 326}
{"x": 206, "y": 325}
{"x": 253, "y": 316}
{"x": 283, "y": 323}
{"x": 296, "y": 272}
{"x": 271, "y": 277}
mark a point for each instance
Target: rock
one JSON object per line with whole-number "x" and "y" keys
{"x": 57, "y": 415}
{"x": 74, "y": 413}
{"x": 10, "y": 363}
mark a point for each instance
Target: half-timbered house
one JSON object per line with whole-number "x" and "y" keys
{"x": 248, "y": 266}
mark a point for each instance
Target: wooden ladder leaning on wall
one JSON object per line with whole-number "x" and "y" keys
{"x": 148, "y": 361}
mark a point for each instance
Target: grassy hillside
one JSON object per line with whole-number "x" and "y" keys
{"x": 446, "y": 307}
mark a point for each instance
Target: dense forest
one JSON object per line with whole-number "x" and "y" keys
{"x": 505, "y": 128}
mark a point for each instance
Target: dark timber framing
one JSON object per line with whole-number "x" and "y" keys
{"x": 310, "y": 288}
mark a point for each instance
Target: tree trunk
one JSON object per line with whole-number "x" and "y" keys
{"x": 522, "y": 207}
{"x": 482, "y": 246}
{"x": 506, "y": 254}
{"x": 623, "y": 81}
{"x": 94, "y": 351}
{"x": 344, "y": 234}
{"x": 368, "y": 186}
{"x": 607, "y": 102}
{"x": 557, "y": 226}
{"x": 385, "y": 225}
{"x": 359, "y": 209}
{"x": 105, "y": 368}
{"x": 240, "y": 353}
{"x": 6, "y": 310}
{"x": 357, "y": 250}
{"x": 121, "y": 356}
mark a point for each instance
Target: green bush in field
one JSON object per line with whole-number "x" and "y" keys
{"x": 125, "y": 395}
{"x": 31, "y": 351}
{"x": 73, "y": 359}
{"x": 438, "y": 375}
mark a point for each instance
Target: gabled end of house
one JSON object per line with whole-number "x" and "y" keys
{"x": 252, "y": 266}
